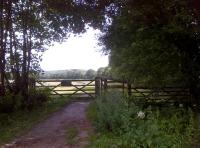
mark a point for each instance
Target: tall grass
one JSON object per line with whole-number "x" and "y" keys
{"x": 121, "y": 123}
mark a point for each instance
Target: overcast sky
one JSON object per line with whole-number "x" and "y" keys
{"x": 77, "y": 53}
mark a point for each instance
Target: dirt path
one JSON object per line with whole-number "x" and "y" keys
{"x": 68, "y": 123}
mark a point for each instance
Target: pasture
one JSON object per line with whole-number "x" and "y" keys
{"x": 74, "y": 87}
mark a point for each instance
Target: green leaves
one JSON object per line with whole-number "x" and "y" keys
{"x": 155, "y": 43}
{"x": 120, "y": 126}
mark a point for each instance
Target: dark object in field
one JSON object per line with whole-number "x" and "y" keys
{"x": 66, "y": 83}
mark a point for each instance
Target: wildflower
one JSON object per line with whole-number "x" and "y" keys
{"x": 180, "y": 105}
{"x": 141, "y": 114}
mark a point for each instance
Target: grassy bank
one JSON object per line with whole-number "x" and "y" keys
{"x": 17, "y": 123}
{"x": 120, "y": 123}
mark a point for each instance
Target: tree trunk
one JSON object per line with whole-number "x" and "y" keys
{"x": 16, "y": 70}
{"x": 2, "y": 51}
{"x": 24, "y": 84}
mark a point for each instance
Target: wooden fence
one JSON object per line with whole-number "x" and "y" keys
{"x": 95, "y": 87}
{"x": 148, "y": 94}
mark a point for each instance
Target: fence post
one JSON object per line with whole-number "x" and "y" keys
{"x": 105, "y": 85}
{"x": 1, "y": 90}
{"x": 101, "y": 84}
{"x": 97, "y": 86}
{"x": 123, "y": 85}
{"x": 129, "y": 89}
{"x": 32, "y": 83}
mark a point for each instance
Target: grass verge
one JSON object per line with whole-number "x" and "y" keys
{"x": 71, "y": 134}
{"x": 120, "y": 123}
{"x": 17, "y": 123}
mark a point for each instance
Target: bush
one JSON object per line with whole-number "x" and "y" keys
{"x": 10, "y": 102}
{"x": 112, "y": 112}
{"x": 124, "y": 124}
{"x": 36, "y": 98}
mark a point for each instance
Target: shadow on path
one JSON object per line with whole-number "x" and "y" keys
{"x": 51, "y": 133}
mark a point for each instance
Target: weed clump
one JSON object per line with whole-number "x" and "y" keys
{"x": 71, "y": 135}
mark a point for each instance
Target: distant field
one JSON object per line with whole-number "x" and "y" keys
{"x": 58, "y": 89}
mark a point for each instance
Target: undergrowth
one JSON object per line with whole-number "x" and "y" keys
{"x": 71, "y": 135}
{"x": 121, "y": 123}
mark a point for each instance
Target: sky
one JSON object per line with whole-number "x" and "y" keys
{"x": 76, "y": 53}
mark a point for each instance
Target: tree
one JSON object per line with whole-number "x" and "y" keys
{"x": 105, "y": 72}
{"x": 156, "y": 43}
{"x": 90, "y": 74}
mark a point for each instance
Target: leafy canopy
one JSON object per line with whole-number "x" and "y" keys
{"x": 155, "y": 42}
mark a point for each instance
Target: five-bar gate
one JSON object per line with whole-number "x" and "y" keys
{"x": 72, "y": 87}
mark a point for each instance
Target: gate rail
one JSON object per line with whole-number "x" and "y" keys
{"x": 95, "y": 87}
{"x": 148, "y": 94}
{"x": 68, "y": 87}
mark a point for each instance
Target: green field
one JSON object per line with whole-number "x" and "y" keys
{"x": 56, "y": 87}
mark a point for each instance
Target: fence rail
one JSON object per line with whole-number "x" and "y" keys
{"x": 66, "y": 87}
{"x": 149, "y": 94}
{"x": 97, "y": 86}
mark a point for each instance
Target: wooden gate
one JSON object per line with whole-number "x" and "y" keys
{"x": 148, "y": 94}
{"x": 69, "y": 87}
{"x": 95, "y": 87}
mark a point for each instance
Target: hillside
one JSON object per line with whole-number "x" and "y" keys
{"x": 68, "y": 74}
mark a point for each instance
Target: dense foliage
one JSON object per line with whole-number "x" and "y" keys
{"x": 155, "y": 42}
{"x": 121, "y": 124}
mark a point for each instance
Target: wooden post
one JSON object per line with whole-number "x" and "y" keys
{"x": 2, "y": 85}
{"x": 32, "y": 83}
{"x": 101, "y": 84}
{"x": 97, "y": 86}
{"x": 129, "y": 89}
{"x": 123, "y": 85}
{"x": 105, "y": 85}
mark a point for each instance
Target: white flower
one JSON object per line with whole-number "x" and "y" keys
{"x": 180, "y": 105}
{"x": 141, "y": 114}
